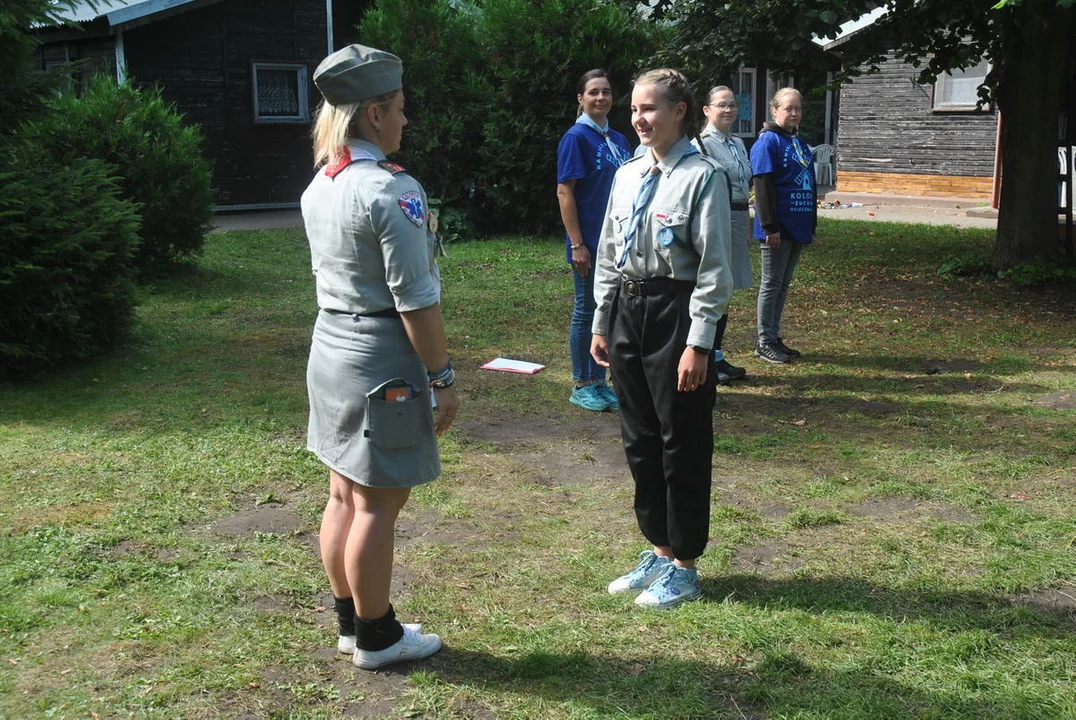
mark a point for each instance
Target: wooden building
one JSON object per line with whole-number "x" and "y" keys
{"x": 240, "y": 69}
{"x": 899, "y": 136}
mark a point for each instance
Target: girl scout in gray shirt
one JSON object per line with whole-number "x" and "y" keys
{"x": 662, "y": 284}
{"x": 378, "y": 348}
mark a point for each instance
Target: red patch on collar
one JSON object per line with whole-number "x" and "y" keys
{"x": 335, "y": 169}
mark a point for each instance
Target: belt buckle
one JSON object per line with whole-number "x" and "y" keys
{"x": 633, "y": 287}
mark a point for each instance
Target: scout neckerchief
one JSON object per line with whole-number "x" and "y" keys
{"x": 618, "y": 155}
{"x": 638, "y": 206}
{"x": 735, "y": 150}
{"x": 348, "y": 154}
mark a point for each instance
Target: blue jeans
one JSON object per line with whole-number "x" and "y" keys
{"x": 584, "y": 369}
{"x": 778, "y": 267}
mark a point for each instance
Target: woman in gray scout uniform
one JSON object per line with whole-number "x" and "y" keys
{"x": 378, "y": 349}
{"x": 721, "y": 111}
{"x": 662, "y": 285}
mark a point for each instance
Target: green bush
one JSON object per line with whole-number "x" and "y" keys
{"x": 156, "y": 157}
{"x": 491, "y": 88}
{"x": 65, "y": 261}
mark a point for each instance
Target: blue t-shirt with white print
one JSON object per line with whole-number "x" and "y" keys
{"x": 790, "y": 161}
{"x": 584, "y": 156}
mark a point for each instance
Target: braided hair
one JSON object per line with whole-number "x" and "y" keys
{"x": 674, "y": 87}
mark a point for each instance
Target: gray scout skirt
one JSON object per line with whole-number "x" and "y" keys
{"x": 743, "y": 247}
{"x": 370, "y": 414}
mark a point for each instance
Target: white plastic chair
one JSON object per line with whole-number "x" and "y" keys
{"x": 823, "y": 163}
{"x": 1062, "y": 171}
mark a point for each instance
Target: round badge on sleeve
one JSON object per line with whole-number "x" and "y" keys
{"x": 411, "y": 204}
{"x": 666, "y": 236}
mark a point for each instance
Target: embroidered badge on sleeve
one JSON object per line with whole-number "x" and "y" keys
{"x": 411, "y": 204}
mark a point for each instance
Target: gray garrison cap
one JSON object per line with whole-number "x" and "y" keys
{"x": 357, "y": 73}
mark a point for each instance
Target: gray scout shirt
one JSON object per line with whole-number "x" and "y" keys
{"x": 370, "y": 242}
{"x": 717, "y": 145}
{"x": 692, "y": 199}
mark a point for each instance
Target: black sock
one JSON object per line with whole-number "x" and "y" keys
{"x": 374, "y": 635}
{"x": 345, "y": 615}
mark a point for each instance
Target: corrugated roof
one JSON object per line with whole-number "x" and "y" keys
{"x": 117, "y": 11}
{"x": 850, "y": 28}
{"x": 85, "y": 11}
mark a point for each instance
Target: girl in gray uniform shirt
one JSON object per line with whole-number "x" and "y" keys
{"x": 378, "y": 348}
{"x": 662, "y": 285}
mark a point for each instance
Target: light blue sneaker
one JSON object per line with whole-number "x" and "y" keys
{"x": 608, "y": 395}
{"x": 651, "y": 566}
{"x": 677, "y": 585}
{"x": 588, "y": 398}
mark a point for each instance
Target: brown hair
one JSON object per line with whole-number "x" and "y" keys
{"x": 586, "y": 77}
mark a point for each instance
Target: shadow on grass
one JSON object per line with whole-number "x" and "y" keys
{"x": 954, "y": 611}
{"x": 770, "y": 683}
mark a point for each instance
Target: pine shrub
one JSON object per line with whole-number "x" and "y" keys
{"x": 156, "y": 157}
{"x": 65, "y": 261}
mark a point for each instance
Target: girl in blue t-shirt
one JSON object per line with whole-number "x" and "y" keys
{"x": 785, "y": 215}
{"x": 587, "y": 159}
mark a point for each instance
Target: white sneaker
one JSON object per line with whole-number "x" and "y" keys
{"x": 412, "y": 646}
{"x": 346, "y": 643}
{"x": 650, "y": 568}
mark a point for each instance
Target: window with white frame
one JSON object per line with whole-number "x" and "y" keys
{"x": 281, "y": 94}
{"x": 959, "y": 89}
{"x": 743, "y": 84}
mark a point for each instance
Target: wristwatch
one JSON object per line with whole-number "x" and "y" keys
{"x": 699, "y": 349}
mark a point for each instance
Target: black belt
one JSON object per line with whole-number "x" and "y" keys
{"x": 386, "y": 313}
{"x": 654, "y": 286}
{"x": 739, "y": 206}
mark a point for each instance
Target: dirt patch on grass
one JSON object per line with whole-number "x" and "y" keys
{"x": 269, "y": 518}
{"x": 903, "y": 508}
{"x": 59, "y": 515}
{"x": 1060, "y": 400}
{"x": 768, "y": 559}
{"x": 868, "y": 408}
{"x": 1058, "y": 602}
{"x": 574, "y": 464}
{"x": 591, "y": 426}
{"x": 138, "y": 547}
{"x": 420, "y": 524}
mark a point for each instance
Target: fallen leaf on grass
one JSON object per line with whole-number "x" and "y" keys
{"x": 637, "y": 668}
{"x": 12, "y": 661}
{"x": 1020, "y": 496}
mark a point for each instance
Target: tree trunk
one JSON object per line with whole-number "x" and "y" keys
{"x": 1036, "y": 48}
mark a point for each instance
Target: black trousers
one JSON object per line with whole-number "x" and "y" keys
{"x": 668, "y": 435}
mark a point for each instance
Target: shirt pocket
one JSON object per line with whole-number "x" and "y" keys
{"x": 395, "y": 414}
{"x": 618, "y": 219}
{"x": 673, "y": 226}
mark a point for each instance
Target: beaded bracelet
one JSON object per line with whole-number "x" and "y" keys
{"x": 444, "y": 378}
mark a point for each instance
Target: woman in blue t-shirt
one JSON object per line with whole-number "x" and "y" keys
{"x": 587, "y": 158}
{"x": 785, "y": 215}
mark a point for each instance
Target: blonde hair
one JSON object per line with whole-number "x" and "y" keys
{"x": 334, "y": 124}
{"x": 675, "y": 88}
{"x": 779, "y": 96}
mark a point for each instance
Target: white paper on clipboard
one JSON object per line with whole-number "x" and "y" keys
{"x": 515, "y": 366}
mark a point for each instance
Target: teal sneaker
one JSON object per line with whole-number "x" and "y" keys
{"x": 675, "y": 586}
{"x": 608, "y": 395}
{"x": 588, "y": 398}
{"x": 651, "y": 567}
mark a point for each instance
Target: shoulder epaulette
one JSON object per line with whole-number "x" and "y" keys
{"x": 391, "y": 167}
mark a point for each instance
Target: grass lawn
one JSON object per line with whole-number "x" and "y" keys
{"x": 893, "y": 517}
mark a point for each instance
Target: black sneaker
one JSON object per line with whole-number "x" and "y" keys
{"x": 726, "y": 373}
{"x": 770, "y": 352}
{"x": 780, "y": 343}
